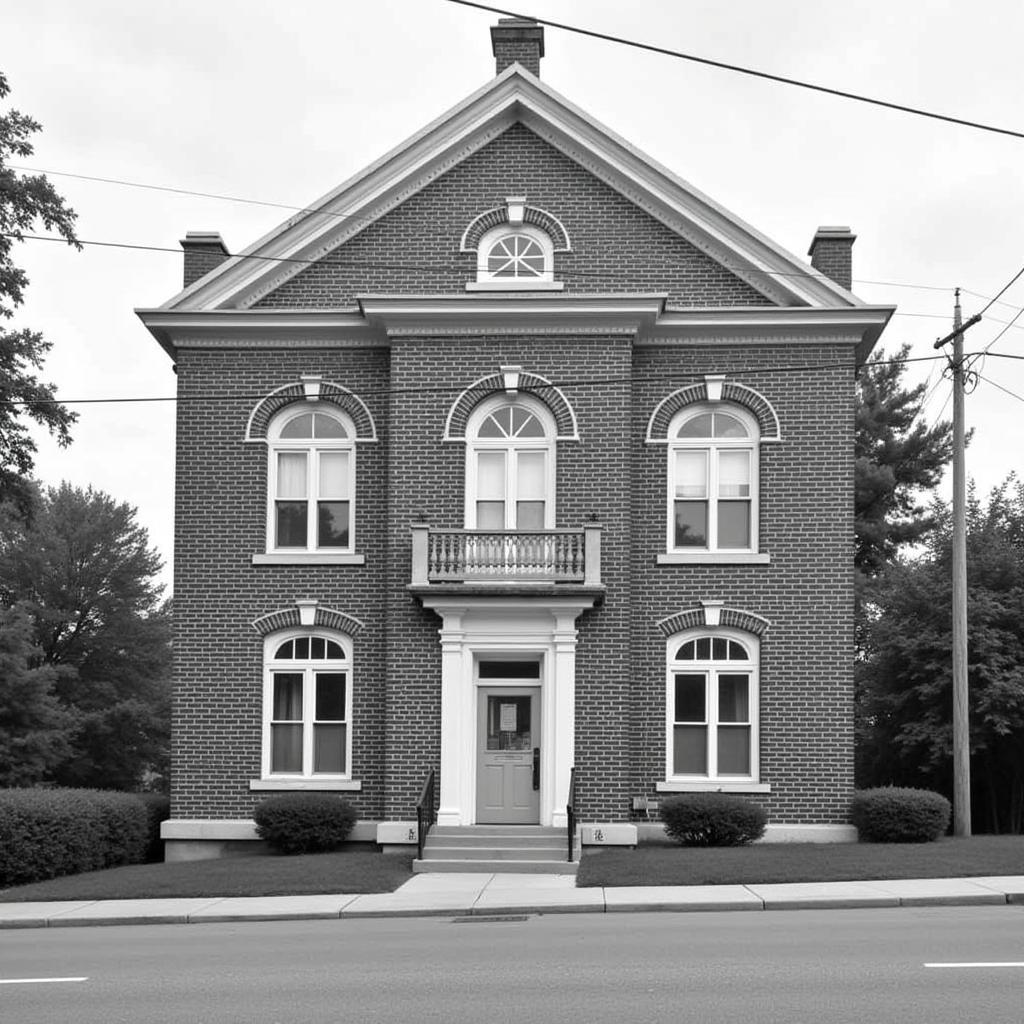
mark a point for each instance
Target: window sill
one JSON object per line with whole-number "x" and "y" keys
{"x": 515, "y": 286}
{"x": 307, "y": 558}
{"x": 712, "y": 787}
{"x": 260, "y": 785}
{"x": 715, "y": 558}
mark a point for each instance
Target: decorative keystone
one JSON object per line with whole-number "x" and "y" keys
{"x": 311, "y": 386}
{"x": 307, "y": 611}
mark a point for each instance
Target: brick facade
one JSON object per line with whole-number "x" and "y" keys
{"x": 798, "y": 602}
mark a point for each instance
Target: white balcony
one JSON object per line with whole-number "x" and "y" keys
{"x": 506, "y": 556}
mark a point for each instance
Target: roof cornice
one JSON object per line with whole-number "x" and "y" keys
{"x": 256, "y": 328}
{"x": 514, "y": 96}
{"x": 642, "y": 317}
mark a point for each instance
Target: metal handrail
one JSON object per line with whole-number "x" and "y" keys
{"x": 426, "y": 812}
{"x": 570, "y": 814}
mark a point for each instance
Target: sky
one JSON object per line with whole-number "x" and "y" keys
{"x": 278, "y": 103}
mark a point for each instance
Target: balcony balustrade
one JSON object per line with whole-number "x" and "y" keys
{"x": 506, "y": 556}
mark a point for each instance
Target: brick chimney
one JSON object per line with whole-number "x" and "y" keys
{"x": 517, "y": 40}
{"x": 204, "y": 250}
{"x": 831, "y": 254}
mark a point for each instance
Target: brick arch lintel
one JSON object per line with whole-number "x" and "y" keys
{"x": 290, "y": 618}
{"x": 295, "y": 393}
{"x": 534, "y": 215}
{"x": 693, "y": 618}
{"x": 530, "y": 384}
{"x": 740, "y": 394}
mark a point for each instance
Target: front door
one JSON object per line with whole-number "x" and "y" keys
{"x": 508, "y": 755}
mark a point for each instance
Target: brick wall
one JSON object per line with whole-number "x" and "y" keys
{"x": 220, "y": 522}
{"x": 427, "y": 477}
{"x": 806, "y": 592}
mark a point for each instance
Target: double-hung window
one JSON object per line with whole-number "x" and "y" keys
{"x": 311, "y": 482}
{"x": 712, "y": 474}
{"x": 307, "y": 707}
{"x": 712, "y": 708}
{"x": 510, "y": 467}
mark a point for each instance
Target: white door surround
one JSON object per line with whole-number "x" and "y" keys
{"x": 496, "y": 627}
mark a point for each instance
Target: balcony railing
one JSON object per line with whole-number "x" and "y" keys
{"x": 506, "y": 556}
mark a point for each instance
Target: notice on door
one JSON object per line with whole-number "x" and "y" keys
{"x": 507, "y": 718}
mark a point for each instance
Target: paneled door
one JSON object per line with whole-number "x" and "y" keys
{"x": 508, "y": 755}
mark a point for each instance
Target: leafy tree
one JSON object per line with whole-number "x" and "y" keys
{"x": 897, "y": 458}
{"x": 32, "y": 725}
{"x": 83, "y": 568}
{"x": 905, "y": 693}
{"x": 25, "y": 200}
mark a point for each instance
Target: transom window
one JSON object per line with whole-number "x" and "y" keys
{"x": 712, "y": 473}
{"x": 510, "y": 466}
{"x": 307, "y": 708}
{"x": 311, "y": 481}
{"x": 712, "y": 709}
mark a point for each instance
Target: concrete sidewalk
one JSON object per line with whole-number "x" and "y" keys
{"x": 458, "y": 895}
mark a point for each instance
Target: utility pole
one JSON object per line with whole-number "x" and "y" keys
{"x": 961, "y": 727}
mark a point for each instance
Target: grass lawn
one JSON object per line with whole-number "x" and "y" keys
{"x": 662, "y": 863}
{"x": 351, "y": 871}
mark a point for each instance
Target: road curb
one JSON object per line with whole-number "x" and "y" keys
{"x": 346, "y": 906}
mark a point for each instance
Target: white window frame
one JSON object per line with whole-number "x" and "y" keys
{"x": 712, "y": 668}
{"x": 475, "y": 445}
{"x": 712, "y": 447}
{"x": 312, "y": 449}
{"x": 545, "y": 280}
{"x": 307, "y": 778}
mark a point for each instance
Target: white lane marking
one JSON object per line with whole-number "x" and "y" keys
{"x": 36, "y": 981}
{"x": 985, "y": 963}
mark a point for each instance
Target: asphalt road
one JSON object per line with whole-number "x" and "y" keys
{"x": 857, "y": 966}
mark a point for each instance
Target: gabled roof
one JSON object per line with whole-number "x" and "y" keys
{"x": 513, "y": 96}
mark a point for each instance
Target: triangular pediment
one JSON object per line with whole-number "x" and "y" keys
{"x": 517, "y": 106}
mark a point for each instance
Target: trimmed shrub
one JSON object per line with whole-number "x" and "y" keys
{"x": 712, "y": 819}
{"x": 49, "y": 832}
{"x": 891, "y": 814}
{"x": 304, "y": 822}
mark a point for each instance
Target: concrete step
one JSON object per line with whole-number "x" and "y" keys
{"x": 489, "y": 848}
{"x": 515, "y": 831}
{"x": 534, "y": 841}
{"x": 470, "y": 853}
{"x": 532, "y": 867}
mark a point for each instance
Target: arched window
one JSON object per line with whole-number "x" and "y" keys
{"x": 307, "y": 706}
{"x": 518, "y": 255}
{"x": 311, "y": 480}
{"x": 712, "y": 480}
{"x": 510, "y": 465}
{"x": 712, "y": 706}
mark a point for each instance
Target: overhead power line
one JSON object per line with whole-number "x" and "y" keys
{"x": 1012, "y": 394}
{"x": 347, "y": 216}
{"x": 223, "y": 197}
{"x": 739, "y": 69}
{"x": 435, "y": 267}
{"x": 682, "y": 379}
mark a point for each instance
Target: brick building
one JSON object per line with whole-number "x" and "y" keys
{"x": 515, "y": 455}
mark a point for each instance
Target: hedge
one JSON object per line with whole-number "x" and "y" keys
{"x": 891, "y": 814}
{"x": 304, "y": 822}
{"x": 49, "y": 832}
{"x": 713, "y": 819}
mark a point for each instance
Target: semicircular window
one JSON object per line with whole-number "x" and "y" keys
{"x": 516, "y": 256}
